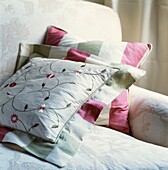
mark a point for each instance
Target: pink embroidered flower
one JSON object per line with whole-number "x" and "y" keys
{"x": 14, "y": 118}
{"x": 50, "y": 76}
{"x": 78, "y": 71}
{"x": 42, "y": 108}
{"x": 12, "y": 84}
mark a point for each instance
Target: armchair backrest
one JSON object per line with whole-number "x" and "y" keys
{"x": 27, "y": 21}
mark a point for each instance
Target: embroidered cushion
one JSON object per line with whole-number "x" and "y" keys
{"x": 41, "y": 99}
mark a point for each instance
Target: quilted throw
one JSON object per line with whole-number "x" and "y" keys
{"x": 39, "y": 103}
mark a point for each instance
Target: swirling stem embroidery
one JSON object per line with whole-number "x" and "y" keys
{"x": 43, "y": 88}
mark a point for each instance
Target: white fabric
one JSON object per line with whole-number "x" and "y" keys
{"x": 102, "y": 149}
{"x": 146, "y": 21}
{"x": 149, "y": 116}
{"x": 113, "y": 51}
{"x": 70, "y": 39}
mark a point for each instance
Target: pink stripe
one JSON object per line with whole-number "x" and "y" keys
{"x": 3, "y": 132}
{"x": 119, "y": 113}
{"x": 54, "y": 36}
{"x": 76, "y": 55}
{"x": 134, "y": 53}
{"x": 91, "y": 110}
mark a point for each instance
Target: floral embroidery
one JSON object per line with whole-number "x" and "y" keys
{"x": 14, "y": 118}
{"x": 42, "y": 108}
{"x": 45, "y": 89}
{"x": 78, "y": 71}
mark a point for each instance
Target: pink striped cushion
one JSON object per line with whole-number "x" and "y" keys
{"x": 91, "y": 110}
{"x": 55, "y": 35}
{"x": 119, "y": 113}
{"x": 3, "y": 132}
{"x": 134, "y": 54}
{"x": 76, "y": 55}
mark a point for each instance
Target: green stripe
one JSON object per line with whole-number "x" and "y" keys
{"x": 68, "y": 144}
{"x": 92, "y": 47}
{"x": 121, "y": 79}
{"x": 40, "y": 148}
{"x": 42, "y": 49}
{"x": 21, "y": 62}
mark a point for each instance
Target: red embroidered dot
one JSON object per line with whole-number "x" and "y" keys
{"x": 12, "y": 84}
{"x": 78, "y": 71}
{"x": 50, "y": 76}
{"x": 42, "y": 108}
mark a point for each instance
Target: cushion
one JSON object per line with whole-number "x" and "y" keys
{"x": 42, "y": 99}
{"x": 134, "y": 54}
{"x": 71, "y": 83}
{"x": 131, "y": 53}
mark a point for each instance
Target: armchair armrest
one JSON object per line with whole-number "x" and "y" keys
{"x": 148, "y": 116}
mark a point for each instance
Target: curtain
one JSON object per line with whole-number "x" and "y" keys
{"x": 147, "y": 21}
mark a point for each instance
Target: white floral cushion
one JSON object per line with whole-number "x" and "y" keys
{"x": 44, "y": 95}
{"x": 40, "y": 104}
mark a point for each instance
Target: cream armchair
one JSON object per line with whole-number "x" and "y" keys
{"x": 27, "y": 22}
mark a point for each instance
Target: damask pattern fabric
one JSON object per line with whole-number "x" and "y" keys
{"x": 18, "y": 25}
{"x": 149, "y": 116}
{"x": 102, "y": 148}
